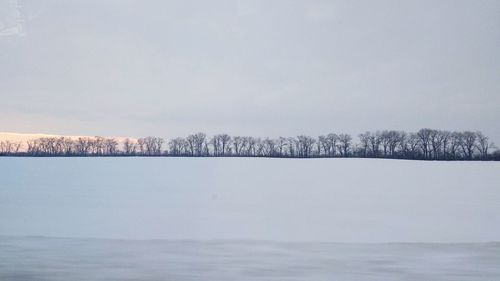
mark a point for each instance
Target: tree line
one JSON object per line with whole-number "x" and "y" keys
{"x": 425, "y": 144}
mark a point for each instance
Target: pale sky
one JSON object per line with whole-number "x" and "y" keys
{"x": 262, "y": 68}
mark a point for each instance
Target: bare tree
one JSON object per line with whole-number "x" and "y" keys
{"x": 305, "y": 145}
{"x": 468, "y": 143}
{"x": 483, "y": 144}
{"x": 436, "y": 141}
{"x": 237, "y": 145}
{"x": 425, "y": 136}
{"x": 454, "y": 146}
{"x": 196, "y": 143}
{"x": 270, "y": 147}
{"x": 328, "y": 144}
{"x": 176, "y": 146}
{"x": 8, "y": 147}
{"x": 413, "y": 146}
{"x": 221, "y": 144}
{"x": 251, "y": 146}
{"x": 365, "y": 143}
{"x": 396, "y": 139}
{"x": 83, "y": 146}
{"x": 282, "y": 143}
{"x": 225, "y": 141}
{"x": 98, "y": 145}
{"x": 445, "y": 141}
{"x": 345, "y": 144}
{"x": 374, "y": 140}
{"x": 259, "y": 147}
{"x": 424, "y": 144}
{"x": 385, "y": 141}
{"x": 129, "y": 147}
{"x": 110, "y": 146}
{"x": 150, "y": 146}
{"x": 68, "y": 146}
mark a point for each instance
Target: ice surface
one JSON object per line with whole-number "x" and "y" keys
{"x": 338, "y": 200}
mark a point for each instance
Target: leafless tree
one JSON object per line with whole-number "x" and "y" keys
{"x": 385, "y": 141}
{"x": 374, "y": 139}
{"x": 436, "y": 142}
{"x": 9, "y": 147}
{"x": 237, "y": 145}
{"x": 68, "y": 145}
{"x": 196, "y": 143}
{"x": 424, "y": 144}
{"x": 282, "y": 143}
{"x": 221, "y": 144}
{"x": 328, "y": 144}
{"x": 397, "y": 139}
{"x": 251, "y": 146}
{"x": 445, "y": 141}
{"x": 225, "y": 141}
{"x": 345, "y": 144}
{"x": 483, "y": 144}
{"x": 413, "y": 145}
{"x": 305, "y": 145}
{"x": 292, "y": 145}
{"x": 454, "y": 146}
{"x": 259, "y": 147}
{"x": 176, "y": 146}
{"x": 111, "y": 146}
{"x": 468, "y": 143}
{"x": 129, "y": 146}
{"x": 270, "y": 147}
{"x": 364, "y": 142}
{"x": 83, "y": 146}
{"x": 425, "y": 136}
{"x": 150, "y": 146}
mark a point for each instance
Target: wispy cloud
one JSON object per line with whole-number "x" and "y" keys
{"x": 11, "y": 21}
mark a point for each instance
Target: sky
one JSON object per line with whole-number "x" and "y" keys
{"x": 262, "y": 68}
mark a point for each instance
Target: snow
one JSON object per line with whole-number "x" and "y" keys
{"x": 336, "y": 200}
{"x": 62, "y": 259}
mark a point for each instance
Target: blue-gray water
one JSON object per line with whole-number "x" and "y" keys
{"x": 40, "y": 258}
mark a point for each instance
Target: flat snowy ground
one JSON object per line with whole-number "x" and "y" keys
{"x": 224, "y": 207}
{"x": 336, "y": 200}
{"x": 63, "y": 259}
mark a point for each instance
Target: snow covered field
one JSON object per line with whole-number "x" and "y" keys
{"x": 60, "y": 259}
{"x": 336, "y": 200}
{"x": 217, "y": 218}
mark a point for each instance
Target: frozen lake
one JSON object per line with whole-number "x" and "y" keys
{"x": 36, "y": 258}
{"x": 214, "y": 219}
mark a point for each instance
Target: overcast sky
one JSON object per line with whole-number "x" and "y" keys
{"x": 263, "y": 68}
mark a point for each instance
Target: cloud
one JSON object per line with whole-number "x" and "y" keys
{"x": 10, "y": 18}
{"x": 319, "y": 11}
{"x": 248, "y": 67}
